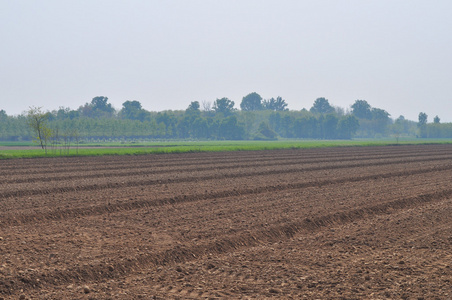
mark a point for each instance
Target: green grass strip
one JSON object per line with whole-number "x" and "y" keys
{"x": 163, "y": 147}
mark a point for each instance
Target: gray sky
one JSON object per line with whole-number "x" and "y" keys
{"x": 395, "y": 54}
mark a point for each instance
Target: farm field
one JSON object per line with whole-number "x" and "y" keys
{"x": 324, "y": 223}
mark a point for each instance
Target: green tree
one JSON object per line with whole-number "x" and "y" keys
{"x": 200, "y": 128}
{"x": 306, "y": 127}
{"x": 347, "y": 126}
{"x": 224, "y": 106}
{"x": 98, "y": 108}
{"x": 3, "y": 115}
{"x": 4, "y": 132}
{"x": 379, "y": 114}
{"x": 422, "y": 119}
{"x": 169, "y": 120}
{"x": 193, "y": 109}
{"x": 278, "y": 104}
{"x": 398, "y": 127}
{"x": 380, "y": 120}
{"x": 183, "y": 127}
{"x": 275, "y": 121}
{"x": 287, "y": 126}
{"x": 321, "y": 106}
{"x": 251, "y": 102}
{"x": 422, "y": 124}
{"x": 230, "y": 129}
{"x": 264, "y": 132}
{"x": 37, "y": 121}
{"x": 329, "y": 125}
{"x": 194, "y": 106}
{"x": 101, "y": 103}
{"x": 74, "y": 114}
{"x": 132, "y": 110}
{"x": 62, "y": 113}
{"x": 436, "y": 120}
{"x": 361, "y": 109}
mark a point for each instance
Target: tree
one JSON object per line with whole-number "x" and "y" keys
{"x": 275, "y": 121}
{"x": 422, "y": 124}
{"x": 98, "y": 108}
{"x": 380, "y": 114}
{"x": 230, "y": 129}
{"x": 436, "y": 120}
{"x": 287, "y": 126}
{"x": 252, "y": 101}
{"x": 422, "y": 119}
{"x": 223, "y": 105}
{"x": 380, "y": 120}
{"x": 200, "y": 128}
{"x": 278, "y": 104}
{"x": 194, "y": 106}
{"x": 37, "y": 121}
{"x": 307, "y": 127}
{"x": 347, "y": 126}
{"x": 264, "y": 132}
{"x": 206, "y": 106}
{"x": 133, "y": 110}
{"x": 101, "y": 103}
{"x": 183, "y": 127}
{"x": 329, "y": 125}
{"x": 169, "y": 120}
{"x": 361, "y": 109}
{"x": 193, "y": 109}
{"x": 74, "y": 114}
{"x": 398, "y": 127}
{"x": 132, "y": 105}
{"x": 3, "y": 114}
{"x": 321, "y": 106}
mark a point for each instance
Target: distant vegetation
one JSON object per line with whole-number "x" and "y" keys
{"x": 258, "y": 119}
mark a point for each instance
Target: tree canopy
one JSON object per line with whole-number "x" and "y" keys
{"x": 133, "y": 110}
{"x": 278, "y": 104}
{"x": 224, "y": 106}
{"x": 98, "y": 108}
{"x": 361, "y": 109}
{"x": 321, "y": 106}
{"x": 251, "y": 102}
{"x": 422, "y": 118}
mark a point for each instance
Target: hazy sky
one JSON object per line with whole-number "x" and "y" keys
{"x": 395, "y": 54}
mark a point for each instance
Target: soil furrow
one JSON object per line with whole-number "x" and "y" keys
{"x": 16, "y": 191}
{"x": 147, "y": 170}
{"x": 278, "y": 233}
{"x": 131, "y": 205}
{"x": 337, "y": 223}
{"x": 63, "y": 165}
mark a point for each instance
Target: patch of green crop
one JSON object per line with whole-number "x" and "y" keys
{"x": 161, "y": 147}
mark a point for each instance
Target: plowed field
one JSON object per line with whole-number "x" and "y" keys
{"x": 333, "y": 223}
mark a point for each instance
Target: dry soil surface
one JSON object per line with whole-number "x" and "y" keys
{"x": 336, "y": 223}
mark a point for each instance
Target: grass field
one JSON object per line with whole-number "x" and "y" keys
{"x": 30, "y": 150}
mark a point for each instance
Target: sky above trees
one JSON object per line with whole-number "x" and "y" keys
{"x": 165, "y": 54}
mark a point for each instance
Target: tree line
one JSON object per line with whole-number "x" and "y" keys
{"x": 257, "y": 119}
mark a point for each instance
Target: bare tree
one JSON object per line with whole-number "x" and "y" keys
{"x": 75, "y": 135}
{"x": 206, "y": 105}
{"x": 55, "y": 140}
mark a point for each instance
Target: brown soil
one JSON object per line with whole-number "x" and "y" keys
{"x": 338, "y": 223}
